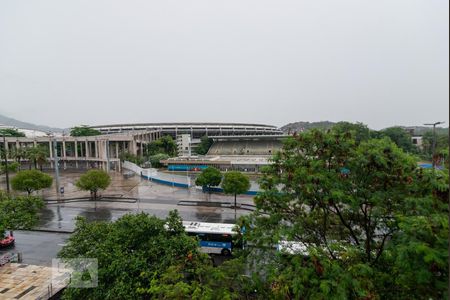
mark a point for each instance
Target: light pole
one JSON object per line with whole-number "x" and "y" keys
{"x": 55, "y": 164}
{"x": 6, "y": 163}
{"x": 433, "y": 147}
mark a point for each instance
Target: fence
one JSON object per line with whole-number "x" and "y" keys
{"x": 10, "y": 257}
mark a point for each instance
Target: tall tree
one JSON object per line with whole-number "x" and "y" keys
{"x": 205, "y": 144}
{"x": 18, "y": 212}
{"x": 11, "y": 132}
{"x": 442, "y": 143}
{"x": 359, "y": 131}
{"x": 165, "y": 145}
{"x": 208, "y": 178}
{"x": 133, "y": 253}
{"x": 400, "y": 137}
{"x": 93, "y": 181}
{"x": 143, "y": 257}
{"x": 235, "y": 183}
{"x": 12, "y": 167}
{"x": 84, "y": 130}
{"x": 18, "y": 154}
{"x": 30, "y": 181}
{"x": 345, "y": 207}
{"x": 37, "y": 155}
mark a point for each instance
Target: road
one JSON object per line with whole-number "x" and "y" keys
{"x": 58, "y": 219}
{"x": 37, "y": 248}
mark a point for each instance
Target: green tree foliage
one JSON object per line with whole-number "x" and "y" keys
{"x": 356, "y": 210}
{"x": 30, "y": 181}
{"x": 205, "y": 144}
{"x": 133, "y": 254}
{"x": 93, "y": 181}
{"x": 235, "y": 183}
{"x": 418, "y": 252}
{"x": 441, "y": 145}
{"x": 208, "y": 178}
{"x": 18, "y": 154}
{"x": 359, "y": 131}
{"x": 10, "y": 132}
{"x": 37, "y": 155}
{"x": 203, "y": 281}
{"x": 143, "y": 257}
{"x": 12, "y": 167}
{"x": 165, "y": 145}
{"x": 83, "y": 130}
{"x": 156, "y": 159}
{"x": 401, "y": 138}
{"x": 126, "y": 156}
{"x": 18, "y": 212}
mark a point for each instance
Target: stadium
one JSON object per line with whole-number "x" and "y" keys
{"x": 195, "y": 130}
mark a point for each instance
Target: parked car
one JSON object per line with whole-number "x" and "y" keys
{"x": 7, "y": 241}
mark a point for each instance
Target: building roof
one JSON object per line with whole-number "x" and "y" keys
{"x": 188, "y": 124}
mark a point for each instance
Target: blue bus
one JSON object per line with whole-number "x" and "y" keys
{"x": 214, "y": 238}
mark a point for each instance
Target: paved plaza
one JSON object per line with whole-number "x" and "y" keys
{"x": 29, "y": 282}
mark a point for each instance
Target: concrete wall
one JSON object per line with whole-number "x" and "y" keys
{"x": 159, "y": 177}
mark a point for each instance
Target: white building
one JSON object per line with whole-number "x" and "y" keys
{"x": 184, "y": 144}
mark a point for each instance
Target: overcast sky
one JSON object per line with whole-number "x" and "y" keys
{"x": 381, "y": 62}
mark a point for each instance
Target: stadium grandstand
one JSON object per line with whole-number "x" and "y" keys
{"x": 242, "y": 153}
{"x": 196, "y": 130}
{"x": 245, "y": 145}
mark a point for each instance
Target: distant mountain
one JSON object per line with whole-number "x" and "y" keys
{"x": 24, "y": 125}
{"x": 303, "y": 126}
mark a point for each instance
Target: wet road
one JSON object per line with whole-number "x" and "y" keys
{"x": 62, "y": 216}
{"x": 154, "y": 199}
{"x": 37, "y": 248}
{"x": 41, "y": 247}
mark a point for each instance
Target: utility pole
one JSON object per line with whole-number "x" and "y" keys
{"x": 433, "y": 147}
{"x": 6, "y": 163}
{"x": 56, "y": 165}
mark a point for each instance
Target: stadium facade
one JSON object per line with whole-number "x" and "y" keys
{"x": 195, "y": 130}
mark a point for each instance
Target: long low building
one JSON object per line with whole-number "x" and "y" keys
{"x": 101, "y": 151}
{"x": 195, "y": 130}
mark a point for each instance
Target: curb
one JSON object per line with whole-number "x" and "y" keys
{"x": 248, "y": 207}
{"x": 74, "y": 200}
{"x": 47, "y": 230}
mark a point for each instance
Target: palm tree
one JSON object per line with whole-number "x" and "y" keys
{"x": 37, "y": 155}
{"x": 18, "y": 154}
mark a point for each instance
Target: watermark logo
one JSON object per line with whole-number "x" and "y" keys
{"x": 75, "y": 272}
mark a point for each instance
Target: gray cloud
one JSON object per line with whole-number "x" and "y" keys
{"x": 69, "y": 62}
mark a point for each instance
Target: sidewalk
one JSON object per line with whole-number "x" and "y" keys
{"x": 20, "y": 281}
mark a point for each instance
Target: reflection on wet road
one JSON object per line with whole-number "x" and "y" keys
{"x": 62, "y": 216}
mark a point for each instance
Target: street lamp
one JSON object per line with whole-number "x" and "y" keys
{"x": 56, "y": 164}
{"x": 6, "y": 163}
{"x": 433, "y": 147}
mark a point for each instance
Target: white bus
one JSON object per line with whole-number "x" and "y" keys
{"x": 214, "y": 238}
